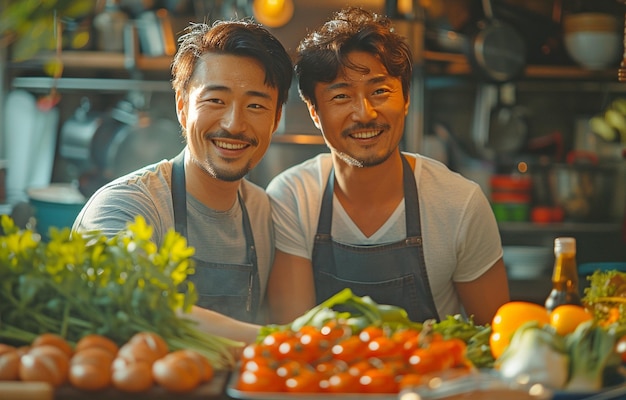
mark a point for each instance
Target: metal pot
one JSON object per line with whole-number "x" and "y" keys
{"x": 498, "y": 51}
{"x": 582, "y": 187}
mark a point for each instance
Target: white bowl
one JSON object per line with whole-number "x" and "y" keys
{"x": 528, "y": 262}
{"x": 594, "y": 50}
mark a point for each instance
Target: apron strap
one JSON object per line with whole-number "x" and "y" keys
{"x": 179, "y": 194}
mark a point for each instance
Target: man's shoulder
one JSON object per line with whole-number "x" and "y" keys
{"x": 305, "y": 173}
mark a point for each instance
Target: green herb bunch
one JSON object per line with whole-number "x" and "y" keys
{"x": 82, "y": 283}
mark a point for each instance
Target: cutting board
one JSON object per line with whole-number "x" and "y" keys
{"x": 40, "y": 391}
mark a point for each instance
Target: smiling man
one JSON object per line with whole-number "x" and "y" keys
{"x": 231, "y": 81}
{"x": 398, "y": 227}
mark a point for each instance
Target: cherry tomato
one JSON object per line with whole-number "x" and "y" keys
{"x": 448, "y": 352}
{"x": 359, "y": 367}
{"x": 254, "y": 350}
{"x": 342, "y": 382}
{"x": 383, "y": 347}
{"x": 349, "y": 350}
{"x": 370, "y": 332}
{"x": 335, "y": 330}
{"x": 330, "y": 367}
{"x": 289, "y": 369}
{"x": 378, "y": 380}
{"x": 305, "y": 382}
{"x": 423, "y": 361}
{"x": 313, "y": 346}
{"x": 263, "y": 380}
{"x": 273, "y": 341}
{"x": 410, "y": 380}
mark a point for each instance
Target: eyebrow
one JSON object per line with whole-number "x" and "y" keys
{"x": 222, "y": 88}
{"x": 341, "y": 85}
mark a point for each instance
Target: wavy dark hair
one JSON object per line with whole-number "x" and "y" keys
{"x": 242, "y": 38}
{"x": 323, "y": 53}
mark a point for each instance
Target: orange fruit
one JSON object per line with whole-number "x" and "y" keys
{"x": 565, "y": 318}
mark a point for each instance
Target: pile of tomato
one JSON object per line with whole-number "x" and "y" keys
{"x": 333, "y": 359}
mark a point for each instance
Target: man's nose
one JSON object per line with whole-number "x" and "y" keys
{"x": 232, "y": 121}
{"x": 364, "y": 111}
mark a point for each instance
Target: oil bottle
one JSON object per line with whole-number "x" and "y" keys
{"x": 565, "y": 274}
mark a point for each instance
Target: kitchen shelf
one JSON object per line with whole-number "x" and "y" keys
{"x": 99, "y": 60}
{"x": 78, "y": 84}
{"x": 456, "y": 64}
{"x": 573, "y": 227}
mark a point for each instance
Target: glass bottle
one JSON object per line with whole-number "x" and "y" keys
{"x": 565, "y": 274}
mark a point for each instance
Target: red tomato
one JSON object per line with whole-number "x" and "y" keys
{"x": 410, "y": 380}
{"x": 443, "y": 352}
{"x": 423, "y": 361}
{"x": 342, "y": 382}
{"x": 289, "y": 369}
{"x": 313, "y": 345}
{"x": 334, "y": 330}
{"x": 263, "y": 380}
{"x": 330, "y": 367}
{"x": 379, "y": 380}
{"x": 273, "y": 341}
{"x": 254, "y": 350}
{"x": 305, "y": 382}
{"x": 383, "y": 347}
{"x": 349, "y": 350}
{"x": 370, "y": 332}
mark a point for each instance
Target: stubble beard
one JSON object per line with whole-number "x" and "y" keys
{"x": 223, "y": 174}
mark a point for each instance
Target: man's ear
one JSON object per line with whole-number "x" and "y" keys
{"x": 279, "y": 114}
{"x": 406, "y": 105}
{"x": 181, "y": 110}
{"x": 313, "y": 114}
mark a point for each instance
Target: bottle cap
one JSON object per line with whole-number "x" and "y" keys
{"x": 565, "y": 245}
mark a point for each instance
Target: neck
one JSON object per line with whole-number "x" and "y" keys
{"x": 369, "y": 185}
{"x": 212, "y": 192}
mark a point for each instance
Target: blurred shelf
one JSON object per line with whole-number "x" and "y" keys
{"x": 78, "y": 84}
{"x": 456, "y": 64}
{"x": 99, "y": 60}
{"x": 573, "y": 227}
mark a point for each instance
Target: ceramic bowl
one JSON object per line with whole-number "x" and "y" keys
{"x": 528, "y": 262}
{"x": 593, "y": 40}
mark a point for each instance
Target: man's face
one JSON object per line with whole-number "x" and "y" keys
{"x": 361, "y": 115}
{"x": 230, "y": 116}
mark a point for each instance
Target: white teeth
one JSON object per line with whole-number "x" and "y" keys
{"x": 229, "y": 146}
{"x": 365, "y": 135}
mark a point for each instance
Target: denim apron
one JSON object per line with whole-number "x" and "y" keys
{"x": 230, "y": 289}
{"x": 392, "y": 273}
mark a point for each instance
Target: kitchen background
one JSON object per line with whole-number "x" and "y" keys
{"x": 508, "y": 105}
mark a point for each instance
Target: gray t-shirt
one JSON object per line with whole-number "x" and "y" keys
{"x": 217, "y": 236}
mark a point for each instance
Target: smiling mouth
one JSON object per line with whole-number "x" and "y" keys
{"x": 366, "y": 134}
{"x": 229, "y": 146}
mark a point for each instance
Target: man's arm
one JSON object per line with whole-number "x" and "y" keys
{"x": 483, "y": 296}
{"x": 291, "y": 289}
{"x": 218, "y": 324}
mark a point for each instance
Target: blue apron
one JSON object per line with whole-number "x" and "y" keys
{"x": 392, "y": 273}
{"x": 230, "y": 289}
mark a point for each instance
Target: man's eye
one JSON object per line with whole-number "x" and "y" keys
{"x": 381, "y": 91}
{"x": 340, "y": 96}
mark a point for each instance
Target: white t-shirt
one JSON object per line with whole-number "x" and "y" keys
{"x": 460, "y": 234}
{"x": 216, "y": 236}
